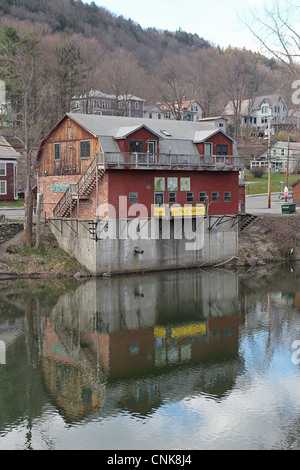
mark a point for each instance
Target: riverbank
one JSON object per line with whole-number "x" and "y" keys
{"x": 268, "y": 239}
{"x": 19, "y": 260}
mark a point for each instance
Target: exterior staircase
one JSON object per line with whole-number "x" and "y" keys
{"x": 80, "y": 190}
{"x": 246, "y": 220}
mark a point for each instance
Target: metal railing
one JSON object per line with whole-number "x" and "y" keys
{"x": 163, "y": 160}
{"x": 82, "y": 186}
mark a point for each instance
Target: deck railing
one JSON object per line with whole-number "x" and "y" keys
{"x": 165, "y": 161}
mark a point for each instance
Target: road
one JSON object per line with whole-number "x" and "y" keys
{"x": 258, "y": 204}
{"x": 17, "y": 213}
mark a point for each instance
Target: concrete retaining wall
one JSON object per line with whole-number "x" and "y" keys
{"x": 214, "y": 243}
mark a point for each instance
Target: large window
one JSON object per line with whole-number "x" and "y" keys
{"x": 3, "y": 188}
{"x": 222, "y": 149}
{"x": 136, "y": 146}
{"x": 56, "y": 152}
{"x": 85, "y": 149}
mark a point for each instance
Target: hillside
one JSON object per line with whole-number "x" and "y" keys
{"x": 77, "y": 17}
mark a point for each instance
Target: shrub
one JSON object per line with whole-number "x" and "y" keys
{"x": 257, "y": 171}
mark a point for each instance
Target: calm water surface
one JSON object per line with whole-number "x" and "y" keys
{"x": 179, "y": 360}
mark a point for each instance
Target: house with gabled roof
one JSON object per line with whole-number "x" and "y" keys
{"x": 256, "y": 112}
{"x": 97, "y": 102}
{"x": 8, "y": 171}
{"x": 284, "y": 155}
{"x": 184, "y": 110}
{"x": 96, "y": 167}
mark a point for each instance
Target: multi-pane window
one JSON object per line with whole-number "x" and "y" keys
{"x": 56, "y": 151}
{"x": 2, "y": 169}
{"x": 133, "y": 198}
{"x": 227, "y": 196}
{"x": 202, "y": 196}
{"x": 172, "y": 197}
{"x": 3, "y": 189}
{"x": 222, "y": 149}
{"x": 189, "y": 197}
{"x": 85, "y": 149}
{"x": 215, "y": 196}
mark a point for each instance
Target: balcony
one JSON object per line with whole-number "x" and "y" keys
{"x": 161, "y": 161}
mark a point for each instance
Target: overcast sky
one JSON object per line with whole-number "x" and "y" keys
{"x": 216, "y": 21}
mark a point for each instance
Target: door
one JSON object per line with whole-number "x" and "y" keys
{"x": 158, "y": 199}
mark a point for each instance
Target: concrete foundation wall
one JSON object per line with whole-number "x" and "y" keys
{"x": 134, "y": 251}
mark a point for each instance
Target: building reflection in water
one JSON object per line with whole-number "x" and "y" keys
{"x": 130, "y": 343}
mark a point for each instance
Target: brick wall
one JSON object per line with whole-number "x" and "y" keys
{"x": 87, "y": 208}
{"x": 50, "y": 198}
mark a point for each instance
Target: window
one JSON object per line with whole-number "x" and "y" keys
{"x": 136, "y": 105}
{"x": 85, "y": 149}
{"x": 172, "y": 197}
{"x": 222, "y": 149}
{"x": 202, "y": 196}
{"x": 56, "y": 152}
{"x": 136, "y": 146}
{"x": 189, "y": 197}
{"x": 227, "y": 196}
{"x": 133, "y": 198}
{"x": 3, "y": 187}
{"x": 2, "y": 169}
{"x": 215, "y": 196}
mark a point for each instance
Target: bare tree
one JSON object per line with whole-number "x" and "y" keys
{"x": 274, "y": 27}
{"x": 120, "y": 77}
{"x": 238, "y": 69}
{"x": 204, "y": 71}
{"x": 173, "y": 74}
{"x": 19, "y": 68}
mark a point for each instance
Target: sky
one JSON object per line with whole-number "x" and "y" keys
{"x": 216, "y": 21}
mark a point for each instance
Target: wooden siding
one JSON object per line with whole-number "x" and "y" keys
{"x": 143, "y": 135}
{"x": 68, "y": 134}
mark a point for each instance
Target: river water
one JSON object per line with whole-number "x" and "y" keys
{"x": 185, "y": 360}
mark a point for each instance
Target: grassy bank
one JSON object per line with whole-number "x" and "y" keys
{"x": 18, "y": 203}
{"x": 260, "y": 185}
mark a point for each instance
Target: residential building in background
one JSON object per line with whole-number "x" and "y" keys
{"x": 8, "y": 171}
{"x": 97, "y": 102}
{"x": 185, "y": 110}
{"x": 282, "y": 154}
{"x": 256, "y": 112}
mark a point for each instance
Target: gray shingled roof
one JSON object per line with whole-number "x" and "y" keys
{"x": 178, "y": 136}
{"x": 6, "y": 150}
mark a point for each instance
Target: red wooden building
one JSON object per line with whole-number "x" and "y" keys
{"x": 8, "y": 171}
{"x": 91, "y": 161}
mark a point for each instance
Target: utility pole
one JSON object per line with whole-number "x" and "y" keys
{"x": 269, "y": 161}
{"x": 287, "y": 167}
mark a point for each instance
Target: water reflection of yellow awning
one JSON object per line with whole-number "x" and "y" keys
{"x": 180, "y": 331}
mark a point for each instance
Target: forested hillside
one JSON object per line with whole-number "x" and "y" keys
{"x": 67, "y": 47}
{"x": 75, "y": 17}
